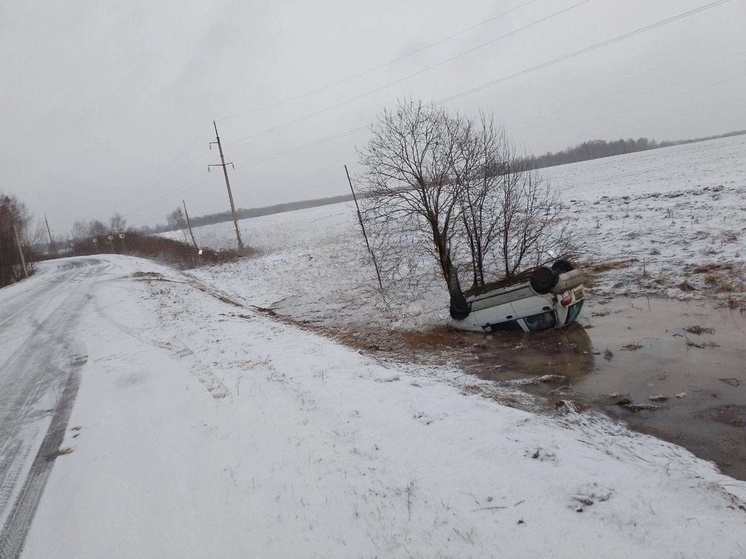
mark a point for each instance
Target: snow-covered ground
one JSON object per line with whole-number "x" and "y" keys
{"x": 671, "y": 221}
{"x": 206, "y": 427}
{"x": 678, "y": 214}
{"x": 203, "y": 428}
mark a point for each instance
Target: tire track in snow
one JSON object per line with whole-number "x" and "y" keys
{"x": 16, "y": 527}
{"x": 40, "y": 379}
{"x": 181, "y": 352}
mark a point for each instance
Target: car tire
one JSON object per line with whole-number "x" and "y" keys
{"x": 543, "y": 279}
{"x": 459, "y": 307}
{"x": 561, "y": 266}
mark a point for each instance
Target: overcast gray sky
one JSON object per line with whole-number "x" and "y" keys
{"x": 108, "y": 106}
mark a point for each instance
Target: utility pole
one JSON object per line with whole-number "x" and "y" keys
{"x": 224, "y": 165}
{"x": 365, "y": 234}
{"x": 20, "y": 251}
{"x": 52, "y": 249}
{"x": 189, "y": 224}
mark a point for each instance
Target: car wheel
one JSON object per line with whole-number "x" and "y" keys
{"x": 561, "y": 266}
{"x": 542, "y": 280}
{"x": 459, "y": 307}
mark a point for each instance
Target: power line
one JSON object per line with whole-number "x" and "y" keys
{"x": 469, "y": 91}
{"x": 172, "y": 161}
{"x": 583, "y": 51}
{"x": 380, "y": 66}
{"x": 176, "y": 172}
{"x": 641, "y": 105}
{"x": 410, "y": 76}
{"x": 585, "y": 107}
{"x": 180, "y": 189}
{"x": 506, "y": 78}
{"x": 302, "y": 147}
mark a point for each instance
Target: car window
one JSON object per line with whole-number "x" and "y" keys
{"x": 510, "y": 326}
{"x": 542, "y": 321}
{"x": 573, "y": 312}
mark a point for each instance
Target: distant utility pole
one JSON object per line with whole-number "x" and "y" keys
{"x": 52, "y": 249}
{"x": 20, "y": 251}
{"x": 189, "y": 224}
{"x": 224, "y": 165}
{"x": 365, "y": 234}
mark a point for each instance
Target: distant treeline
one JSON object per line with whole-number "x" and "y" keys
{"x": 593, "y": 149}
{"x": 242, "y": 213}
{"x": 596, "y": 149}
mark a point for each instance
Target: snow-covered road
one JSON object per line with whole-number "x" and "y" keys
{"x": 39, "y": 378}
{"x": 204, "y": 428}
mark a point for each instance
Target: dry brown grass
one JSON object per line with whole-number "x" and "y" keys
{"x": 713, "y": 267}
{"x": 169, "y": 251}
{"x": 590, "y": 281}
{"x": 441, "y": 337}
{"x": 686, "y": 286}
{"x": 703, "y": 345}
{"x": 601, "y": 267}
{"x": 504, "y": 399}
{"x": 699, "y": 330}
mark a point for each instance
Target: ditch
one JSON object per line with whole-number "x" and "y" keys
{"x": 672, "y": 369}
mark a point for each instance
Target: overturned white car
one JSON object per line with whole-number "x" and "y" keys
{"x": 550, "y": 297}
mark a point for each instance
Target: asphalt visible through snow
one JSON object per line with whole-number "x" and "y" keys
{"x": 39, "y": 378}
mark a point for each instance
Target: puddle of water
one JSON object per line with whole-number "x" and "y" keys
{"x": 691, "y": 354}
{"x": 673, "y": 369}
{"x": 623, "y": 351}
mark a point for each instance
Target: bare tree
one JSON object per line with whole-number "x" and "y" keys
{"x": 411, "y": 198}
{"x": 97, "y": 228}
{"x": 81, "y": 230}
{"x": 512, "y": 218}
{"x": 117, "y": 223}
{"x": 455, "y": 187}
{"x": 177, "y": 221}
{"x": 530, "y": 225}
{"x": 478, "y": 173}
{"x": 14, "y": 225}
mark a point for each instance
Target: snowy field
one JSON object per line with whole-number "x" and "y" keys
{"x": 206, "y": 427}
{"x": 667, "y": 222}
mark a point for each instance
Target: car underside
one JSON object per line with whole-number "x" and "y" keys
{"x": 551, "y": 297}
